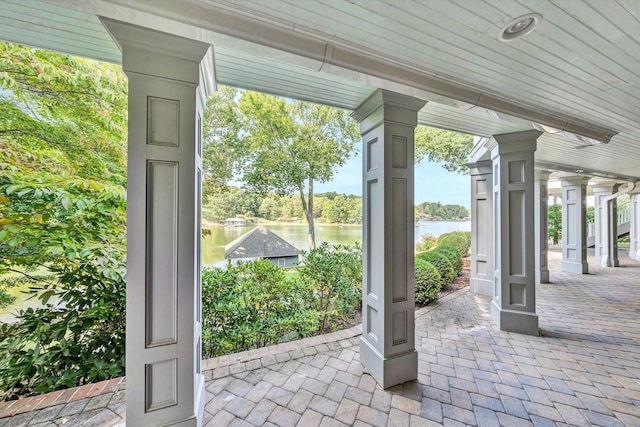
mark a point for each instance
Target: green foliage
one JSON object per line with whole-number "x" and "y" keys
{"x": 62, "y": 211}
{"x": 438, "y": 145}
{"x": 334, "y": 274}
{"x": 342, "y": 209}
{"x": 441, "y": 263}
{"x": 428, "y": 282}
{"x": 555, "y": 223}
{"x": 427, "y": 241}
{"x": 62, "y": 114}
{"x": 461, "y": 240}
{"x": 256, "y": 303}
{"x": 436, "y": 210}
{"x": 77, "y": 232}
{"x": 453, "y": 254}
{"x": 250, "y": 305}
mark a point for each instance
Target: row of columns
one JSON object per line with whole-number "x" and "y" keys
{"x": 169, "y": 77}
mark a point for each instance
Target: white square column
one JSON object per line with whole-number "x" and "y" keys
{"x": 514, "y": 302}
{"x": 481, "y": 281}
{"x": 541, "y": 224}
{"x": 574, "y": 225}
{"x": 387, "y": 348}
{"x": 168, "y": 79}
{"x": 606, "y": 225}
{"x": 634, "y": 229}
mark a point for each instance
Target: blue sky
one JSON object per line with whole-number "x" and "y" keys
{"x": 433, "y": 183}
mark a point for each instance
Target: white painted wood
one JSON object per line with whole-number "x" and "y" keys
{"x": 481, "y": 281}
{"x": 634, "y": 232}
{"x": 574, "y": 224}
{"x": 167, "y": 76}
{"x": 541, "y": 224}
{"x": 387, "y": 350}
{"x": 605, "y": 214}
{"x": 513, "y": 307}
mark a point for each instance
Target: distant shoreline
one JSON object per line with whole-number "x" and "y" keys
{"x": 208, "y": 223}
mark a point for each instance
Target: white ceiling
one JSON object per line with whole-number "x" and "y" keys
{"x": 580, "y": 69}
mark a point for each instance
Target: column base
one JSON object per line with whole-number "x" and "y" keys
{"x": 481, "y": 286}
{"x": 542, "y": 276}
{"x": 575, "y": 267}
{"x": 388, "y": 371}
{"x": 521, "y": 322}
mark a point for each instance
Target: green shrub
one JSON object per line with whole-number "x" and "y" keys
{"x": 427, "y": 241}
{"x": 453, "y": 254}
{"x": 428, "y": 282}
{"x": 254, "y": 304}
{"x": 334, "y": 274}
{"x": 460, "y": 240}
{"x": 442, "y": 263}
{"x": 247, "y": 306}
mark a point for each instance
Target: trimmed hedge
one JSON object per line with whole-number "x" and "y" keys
{"x": 460, "y": 240}
{"x": 453, "y": 254}
{"x": 428, "y": 282}
{"x": 442, "y": 263}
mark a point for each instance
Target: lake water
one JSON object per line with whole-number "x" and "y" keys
{"x": 296, "y": 234}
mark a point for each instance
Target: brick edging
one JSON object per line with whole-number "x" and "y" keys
{"x": 274, "y": 350}
{"x": 33, "y": 403}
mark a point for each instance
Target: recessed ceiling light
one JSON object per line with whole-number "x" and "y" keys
{"x": 520, "y": 27}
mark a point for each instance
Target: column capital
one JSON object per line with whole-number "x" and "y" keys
{"x": 574, "y": 180}
{"x": 480, "y": 168}
{"x": 384, "y": 105}
{"x": 606, "y": 187}
{"x": 147, "y": 51}
{"x": 541, "y": 174}
{"x": 515, "y": 142}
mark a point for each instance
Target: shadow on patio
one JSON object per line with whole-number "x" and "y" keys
{"x": 584, "y": 369}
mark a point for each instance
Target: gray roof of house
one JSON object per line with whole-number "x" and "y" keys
{"x": 259, "y": 243}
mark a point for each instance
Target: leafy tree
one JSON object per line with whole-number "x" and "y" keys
{"x": 280, "y": 145}
{"x": 69, "y": 113}
{"x": 62, "y": 211}
{"x": 439, "y": 145}
{"x": 555, "y": 223}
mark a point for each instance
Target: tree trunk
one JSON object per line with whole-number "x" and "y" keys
{"x": 310, "y": 219}
{"x": 307, "y": 208}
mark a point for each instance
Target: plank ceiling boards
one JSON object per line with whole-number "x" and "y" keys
{"x": 53, "y": 27}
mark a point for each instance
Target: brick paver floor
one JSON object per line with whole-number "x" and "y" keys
{"x": 584, "y": 368}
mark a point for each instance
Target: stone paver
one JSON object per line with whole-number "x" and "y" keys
{"x": 583, "y": 369}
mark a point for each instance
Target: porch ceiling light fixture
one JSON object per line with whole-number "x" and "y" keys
{"x": 520, "y": 27}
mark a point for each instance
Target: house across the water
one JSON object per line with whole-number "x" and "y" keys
{"x": 260, "y": 243}
{"x": 235, "y": 222}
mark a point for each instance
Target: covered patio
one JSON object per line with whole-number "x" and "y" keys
{"x": 583, "y": 369}
{"x": 557, "y": 100}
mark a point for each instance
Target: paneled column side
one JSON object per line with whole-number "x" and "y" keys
{"x": 634, "y": 229}
{"x": 481, "y": 281}
{"x": 387, "y": 348}
{"x": 541, "y": 224}
{"x": 602, "y": 217}
{"x": 168, "y": 79}
{"x": 574, "y": 225}
{"x": 514, "y": 307}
